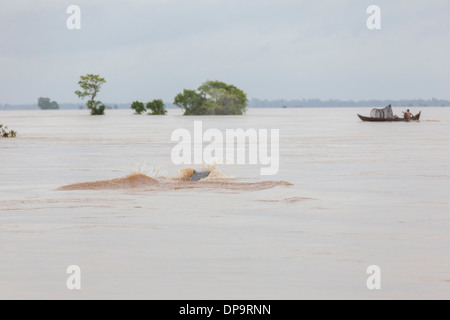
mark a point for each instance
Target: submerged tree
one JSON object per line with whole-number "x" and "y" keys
{"x": 46, "y": 104}
{"x": 138, "y": 107}
{"x": 157, "y": 108}
{"x": 191, "y": 101}
{"x": 213, "y": 98}
{"x": 4, "y": 133}
{"x": 91, "y": 85}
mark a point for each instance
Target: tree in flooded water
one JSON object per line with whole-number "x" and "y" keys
{"x": 138, "y": 107}
{"x": 91, "y": 85}
{"x": 154, "y": 108}
{"x": 157, "y": 108}
{"x": 4, "y": 133}
{"x": 47, "y": 104}
{"x": 213, "y": 98}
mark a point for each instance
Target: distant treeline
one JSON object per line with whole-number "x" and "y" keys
{"x": 257, "y": 103}
{"x": 316, "y": 103}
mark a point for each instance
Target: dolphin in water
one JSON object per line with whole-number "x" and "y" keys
{"x": 197, "y": 176}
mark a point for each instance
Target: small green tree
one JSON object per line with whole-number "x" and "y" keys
{"x": 46, "y": 104}
{"x": 157, "y": 108}
{"x": 138, "y": 107}
{"x": 4, "y": 133}
{"x": 91, "y": 85}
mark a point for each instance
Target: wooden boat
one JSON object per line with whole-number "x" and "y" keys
{"x": 397, "y": 119}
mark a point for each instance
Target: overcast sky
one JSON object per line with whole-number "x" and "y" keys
{"x": 272, "y": 49}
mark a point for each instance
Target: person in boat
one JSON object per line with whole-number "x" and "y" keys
{"x": 408, "y": 114}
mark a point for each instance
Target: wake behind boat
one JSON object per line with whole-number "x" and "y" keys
{"x": 387, "y": 115}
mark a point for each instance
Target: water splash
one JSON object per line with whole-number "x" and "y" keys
{"x": 133, "y": 181}
{"x": 217, "y": 180}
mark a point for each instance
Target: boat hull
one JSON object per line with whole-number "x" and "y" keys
{"x": 369, "y": 119}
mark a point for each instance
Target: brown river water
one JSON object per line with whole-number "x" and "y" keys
{"x": 102, "y": 193}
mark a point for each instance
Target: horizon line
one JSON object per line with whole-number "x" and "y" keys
{"x": 262, "y": 100}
